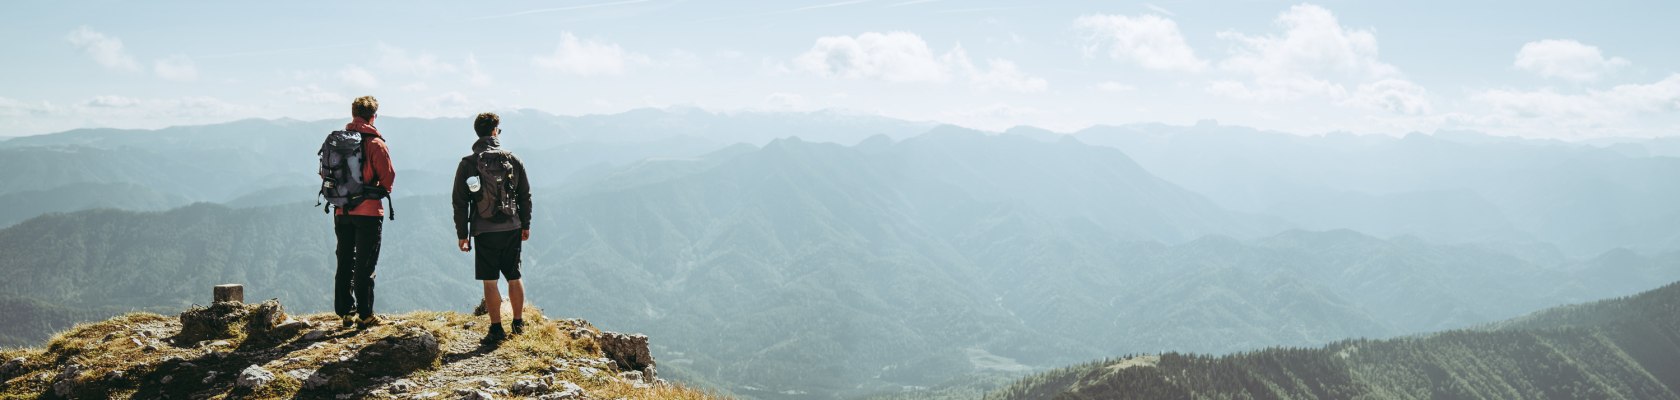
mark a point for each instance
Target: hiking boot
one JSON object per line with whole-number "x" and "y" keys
{"x": 349, "y": 321}
{"x": 369, "y": 322}
{"x": 518, "y": 326}
{"x": 495, "y": 335}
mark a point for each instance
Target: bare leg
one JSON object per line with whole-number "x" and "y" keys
{"x": 493, "y": 301}
{"x": 516, "y": 291}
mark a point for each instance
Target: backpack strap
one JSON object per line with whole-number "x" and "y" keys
{"x": 392, "y": 215}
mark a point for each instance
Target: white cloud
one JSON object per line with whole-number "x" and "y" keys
{"x": 1566, "y": 59}
{"x": 1613, "y": 112}
{"x": 1316, "y": 57}
{"x": 358, "y": 76}
{"x": 476, "y": 75}
{"x": 904, "y": 57}
{"x": 588, "y": 57}
{"x": 313, "y": 94}
{"x": 1313, "y": 54}
{"x": 16, "y": 108}
{"x": 892, "y": 57}
{"x": 176, "y": 68}
{"x": 416, "y": 87}
{"x": 999, "y": 74}
{"x": 424, "y": 65}
{"x": 450, "y": 99}
{"x": 998, "y": 117}
{"x": 1393, "y": 95}
{"x": 105, "y": 50}
{"x": 1160, "y": 9}
{"x": 785, "y": 102}
{"x": 1114, "y": 87}
{"x": 1149, "y": 40}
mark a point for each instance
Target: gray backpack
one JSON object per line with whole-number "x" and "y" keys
{"x": 341, "y": 169}
{"x": 342, "y": 183}
{"x": 497, "y": 185}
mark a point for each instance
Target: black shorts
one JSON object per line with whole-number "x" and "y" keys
{"x": 496, "y": 253}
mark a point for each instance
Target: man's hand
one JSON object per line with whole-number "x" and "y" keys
{"x": 524, "y": 235}
{"x": 465, "y": 245}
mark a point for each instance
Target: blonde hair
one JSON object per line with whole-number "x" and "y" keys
{"x": 364, "y": 107}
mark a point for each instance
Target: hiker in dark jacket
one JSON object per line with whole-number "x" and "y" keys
{"x": 492, "y": 201}
{"x": 358, "y": 228}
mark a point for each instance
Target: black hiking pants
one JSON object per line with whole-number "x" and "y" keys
{"x": 358, "y": 253}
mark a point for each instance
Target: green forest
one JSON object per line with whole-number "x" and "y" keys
{"x": 1626, "y": 348}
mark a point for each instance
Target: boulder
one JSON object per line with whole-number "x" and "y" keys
{"x": 630, "y": 352}
{"x": 265, "y": 316}
{"x": 483, "y": 382}
{"x": 564, "y": 390}
{"x": 66, "y": 383}
{"x": 529, "y": 387}
{"x": 408, "y": 350}
{"x": 218, "y": 321}
{"x": 402, "y": 386}
{"x": 400, "y": 354}
{"x": 12, "y": 367}
{"x": 474, "y": 394}
{"x": 254, "y": 377}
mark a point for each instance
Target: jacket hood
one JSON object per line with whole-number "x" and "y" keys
{"x": 360, "y": 124}
{"x": 486, "y": 143}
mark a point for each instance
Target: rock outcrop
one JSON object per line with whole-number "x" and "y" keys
{"x": 629, "y": 352}
{"x": 236, "y": 350}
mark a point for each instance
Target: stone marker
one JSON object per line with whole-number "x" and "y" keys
{"x": 230, "y": 292}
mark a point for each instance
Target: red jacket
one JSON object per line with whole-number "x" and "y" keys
{"x": 376, "y": 171}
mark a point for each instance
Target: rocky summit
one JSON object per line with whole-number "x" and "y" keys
{"x": 238, "y": 350}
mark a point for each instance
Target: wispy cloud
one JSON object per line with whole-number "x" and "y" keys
{"x": 1567, "y": 59}
{"x": 1149, "y": 40}
{"x": 558, "y": 9}
{"x": 105, "y": 50}
{"x": 912, "y": 2}
{"x": 985, "y": 9}
{"x": 280, "y": 51}
{"x": 176, "y": 68}
{"x": 587, "y": 57}
{"x": 829, "y": 5}
{"x": 358, "y": 76}
{"x": 1159, "y": 9}
{"x": 904, "y": 57}
{"x": 788, "y": 11}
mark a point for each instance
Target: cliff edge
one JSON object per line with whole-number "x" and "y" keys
{"x": 237, "y": 350}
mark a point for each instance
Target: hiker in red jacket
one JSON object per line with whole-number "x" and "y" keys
{"x": 358, "y": 228}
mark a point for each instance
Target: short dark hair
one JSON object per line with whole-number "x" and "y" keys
{"x": 486, "y": 123}
{"x": 364, "y": 107}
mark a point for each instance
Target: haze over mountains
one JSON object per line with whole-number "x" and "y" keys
{"x": 828, "y": 255}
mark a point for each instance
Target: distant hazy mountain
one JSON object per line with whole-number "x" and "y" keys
{"x": 250, "y": 162}
{"x": 816, "y": 270}
{"x": 1626, "y": 348}
{"x": 22, "y": 205}
{"x": 1450, "y": 186}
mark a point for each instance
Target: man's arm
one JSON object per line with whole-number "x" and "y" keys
{"x": 460, "y": 200}
{"x": 379, "y": 157}
{"x": 523, "y": 198}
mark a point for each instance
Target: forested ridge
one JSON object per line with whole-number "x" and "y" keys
{"x": 1626, "y": 348}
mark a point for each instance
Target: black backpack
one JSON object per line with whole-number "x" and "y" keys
{"x": 497, "y": 186}
{"x": 342, "y": 183}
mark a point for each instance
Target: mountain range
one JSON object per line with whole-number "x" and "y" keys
{"x": 832, "y": 256}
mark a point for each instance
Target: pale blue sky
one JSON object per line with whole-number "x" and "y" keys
{"x": 1532, "y": 68}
